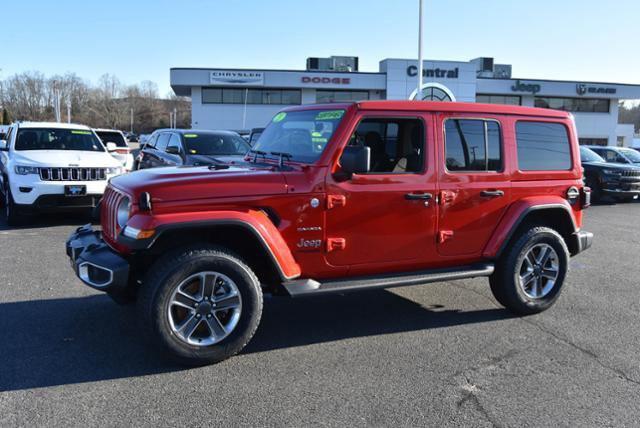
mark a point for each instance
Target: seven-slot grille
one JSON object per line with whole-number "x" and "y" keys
{"x": 110, "y": 201}
{"x": 631, "y": 174}
{"x": 73, "y": 174}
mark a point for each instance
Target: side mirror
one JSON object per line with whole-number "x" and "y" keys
{"x": 111, "y": 147}
{"x": 356, "y": 159}
{"x": 4, "y": 146}
{"x": 173, "y": 150}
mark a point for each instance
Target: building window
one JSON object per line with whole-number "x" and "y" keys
{"x": 589, "y": 105}
{"x": 513, "y": 100}
{"x": 593, "y": 141}
{"x": 472, "y": 145}
{"x": 323, "y": 96}
{"x": 253, "y": 96}
{"x": 542, "y": 146}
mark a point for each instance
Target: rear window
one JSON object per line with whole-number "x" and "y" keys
{"x": 58, "y": 139}
{"x": 543, "y": 146}
{"x": 112, "y": 137}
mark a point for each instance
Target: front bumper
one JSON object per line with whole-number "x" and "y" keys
{"x": 580, "y": 241}
{"x": 27, "y": 189}
{"x": 95, "y": 263}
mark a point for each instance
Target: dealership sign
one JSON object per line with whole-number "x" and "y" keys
{"x": 326, "y": 80}
{"x": 583, "y": 89}
{"x": 526, "y": 87}
{"x": 236, "y": 77}
{"x": 442, "y": 73}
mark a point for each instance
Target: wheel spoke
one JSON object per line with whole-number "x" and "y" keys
{"x": 551, "y": 274}
{"x": 229, "y": 301}
{"x": 207, "y": 284}
{"x": 530, "y": 259}
{"x": 216, "y": 328}
{"x": 183, "y": 300}
{"x": 189, "y": 326}
{"x": 545, "y": 253}
{"x": 526, "y": 278}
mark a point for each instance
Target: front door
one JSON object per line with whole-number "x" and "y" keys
{"x": 474, "y": 189}
{"x": 388, "y": 214}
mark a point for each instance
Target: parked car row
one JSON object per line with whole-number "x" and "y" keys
{"x": 611, "y": 171}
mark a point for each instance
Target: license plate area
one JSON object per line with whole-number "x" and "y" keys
{"x": 73, "y": 190}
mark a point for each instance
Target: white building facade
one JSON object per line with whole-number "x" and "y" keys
{"x": 244, "y": 99}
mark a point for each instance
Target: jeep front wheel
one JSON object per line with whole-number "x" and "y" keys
{"x": 530, "y": 276}
{"x": 201, "y": 305}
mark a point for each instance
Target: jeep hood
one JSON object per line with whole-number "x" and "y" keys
{"x": 64, "y": 158}
{"x": 193, "y": 183}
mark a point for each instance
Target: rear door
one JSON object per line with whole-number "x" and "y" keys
{"x": 474, "y": 184}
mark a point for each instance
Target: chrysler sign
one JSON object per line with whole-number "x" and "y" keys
{"x": 236, "y": 77}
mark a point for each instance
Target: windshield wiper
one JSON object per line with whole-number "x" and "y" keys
{"x": 282, "y": 157}
{"x": 257, "y": 153}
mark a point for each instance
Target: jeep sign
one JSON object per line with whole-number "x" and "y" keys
{"x": 525, "y": 87}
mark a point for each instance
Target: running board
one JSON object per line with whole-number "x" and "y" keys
{"x": 308, "y": 287}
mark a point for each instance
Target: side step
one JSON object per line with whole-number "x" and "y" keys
{"x": 308, "y": 287}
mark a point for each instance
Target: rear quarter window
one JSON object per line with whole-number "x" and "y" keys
{"x": 543, "y": 146}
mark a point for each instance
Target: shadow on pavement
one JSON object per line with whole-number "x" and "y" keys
{"x": 66, "y": 341}
{"x": 78, "y": 218}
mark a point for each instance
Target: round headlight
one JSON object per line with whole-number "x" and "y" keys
{"x": 123, "y": 212}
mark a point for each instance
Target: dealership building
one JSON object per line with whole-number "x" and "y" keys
{"x": 226, "y": 98}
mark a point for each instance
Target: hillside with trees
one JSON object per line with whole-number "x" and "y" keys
{"x": 109, "y": 103}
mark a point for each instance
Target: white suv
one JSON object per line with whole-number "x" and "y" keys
{"x": 51, "y": 167}
{"x": 119, "y": 147}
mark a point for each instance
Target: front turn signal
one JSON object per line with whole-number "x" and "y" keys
{"x": 132, "y": 232}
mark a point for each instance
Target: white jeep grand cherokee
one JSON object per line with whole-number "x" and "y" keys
{"x": 52, "y": 167}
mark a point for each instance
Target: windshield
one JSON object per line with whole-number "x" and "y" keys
{"x": 302, "y": 134}
{"x": 211, "y": 144}
{"x": 112, "y": 137}
{"x": 632, "y": 155}
{"x": 588, "y": 155}
{"x": 58, "y": 139}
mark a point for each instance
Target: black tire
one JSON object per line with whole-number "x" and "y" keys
{"x": 596, "y": 192}
{"x": 627, "y": 199}
{"x": 12, "y": 216}
{"x": 168, "y": 273}
{"x": 505, "y": 283}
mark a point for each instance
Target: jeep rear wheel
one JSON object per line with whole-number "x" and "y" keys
{"x": 201, "y": 305}
{"x": 530, "y": 276}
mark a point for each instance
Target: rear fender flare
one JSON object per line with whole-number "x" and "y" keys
{"x": 516, "y": 215}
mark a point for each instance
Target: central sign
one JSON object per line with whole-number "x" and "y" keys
{"x": 236, "y": 77}
{"x": 442, "y": 73}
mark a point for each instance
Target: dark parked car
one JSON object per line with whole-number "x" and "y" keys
{"x": 255, "y": 134}
{"x": 617, "y": 154}
{"x": 176, "y": 147}
{"x": 620, "y": 181}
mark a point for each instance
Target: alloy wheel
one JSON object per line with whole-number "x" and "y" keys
{"x": 205, "y": 308}
{"x": 539, "y": 271}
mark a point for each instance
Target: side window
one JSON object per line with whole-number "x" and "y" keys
{"x": 473, "y": 145}
{"x": 151, "y": 142}
{"x": 163, "y": 141}
{"x": 543, "y": 146}
{"x": 174, "y": 141}
{"x": 397, "y": 145}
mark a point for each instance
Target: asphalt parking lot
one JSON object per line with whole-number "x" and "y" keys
{"x": 440, "y": 354}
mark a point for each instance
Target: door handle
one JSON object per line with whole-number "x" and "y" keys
{"x": 492, "y": 193}
{"x": 416, "y": 196}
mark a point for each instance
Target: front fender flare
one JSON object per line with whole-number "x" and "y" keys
{"x": 255, "y": 221}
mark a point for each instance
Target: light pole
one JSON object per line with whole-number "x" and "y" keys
{"x": 419, "y": 87}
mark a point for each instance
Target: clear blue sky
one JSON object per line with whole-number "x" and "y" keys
{"x": 141, "y": 39}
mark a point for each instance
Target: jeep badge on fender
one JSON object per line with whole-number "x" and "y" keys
{"x": 326, "y": 201}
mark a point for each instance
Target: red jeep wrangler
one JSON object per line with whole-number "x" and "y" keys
{"x": 337, "y": 198}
